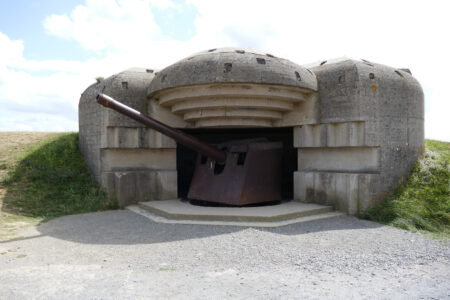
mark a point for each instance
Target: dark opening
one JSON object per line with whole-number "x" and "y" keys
{"x": 227, "y": 67}
{"x": 261, "y": 61}
{"x": 186, "y": 157}
{"x": 218, "y": 168}
{"x": 241, "y": 158}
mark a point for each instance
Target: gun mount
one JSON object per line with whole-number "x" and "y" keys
{"x": 235, "y": 173}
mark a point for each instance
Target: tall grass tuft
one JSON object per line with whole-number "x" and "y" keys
{"x": 422, "y": 203}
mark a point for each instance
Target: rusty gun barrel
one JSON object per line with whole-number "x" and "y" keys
{"x": 178, "y": 135}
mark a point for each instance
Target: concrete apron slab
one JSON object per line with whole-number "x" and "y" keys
{"x": 181, "y": 212}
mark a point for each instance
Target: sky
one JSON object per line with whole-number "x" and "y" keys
{"x": 52, "y": 50}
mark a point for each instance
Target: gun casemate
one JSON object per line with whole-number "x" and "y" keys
{"x": 236, "y": 172}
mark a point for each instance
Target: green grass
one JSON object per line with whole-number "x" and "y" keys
{"x": 422, "y": 202}
{"x": 49, "y": 180}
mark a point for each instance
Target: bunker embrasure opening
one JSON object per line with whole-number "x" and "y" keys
{"x": 186, "y": 158}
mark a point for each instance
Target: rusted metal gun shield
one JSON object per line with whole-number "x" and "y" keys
{"x": 257, "y": 180}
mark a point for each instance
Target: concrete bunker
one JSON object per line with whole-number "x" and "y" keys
{"x": 356, "y": 127}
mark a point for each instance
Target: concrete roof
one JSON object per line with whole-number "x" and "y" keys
{"x": 233, "y": 65}
{"x": 366, "y": 70}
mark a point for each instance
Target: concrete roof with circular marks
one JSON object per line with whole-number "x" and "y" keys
{"x": 233, "y": 65}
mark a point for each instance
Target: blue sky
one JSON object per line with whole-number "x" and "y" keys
{"x": 22, "y": 20}
{"x": 52, "y": 50}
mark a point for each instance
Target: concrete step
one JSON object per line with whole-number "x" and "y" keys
{"x": 177, "y": 211}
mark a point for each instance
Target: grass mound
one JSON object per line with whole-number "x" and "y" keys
{"x": 52, "y": 180}
{"x": 422, "y": 203}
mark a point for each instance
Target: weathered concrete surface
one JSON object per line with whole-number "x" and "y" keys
{"x": 183, "y": 210}
{"x": 325, "y": 212}
{"x": 337, "y": 134}
{"x": 137, "y": 137}
{"x": 129, "y": 87}
{"x": 121, "y": 153}
{"x": 385, "y": 109}
{"x": 230, "y": 65}
{"x": 231, "y": 87}
{"x": 238, "y": 104}
{"x": 131, "y": 187}
{"x": 122, "y": 255}
{"x": 351, "y": 159}
{"x": 347, "y": 192}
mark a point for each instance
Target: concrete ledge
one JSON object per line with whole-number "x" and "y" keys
{"x": 340, "y": 159}
{"x": 125, "y": 159}
{"x": 181, "y": 210}
{"x": 336, "y": 134}
{"x": 159, "y": 219}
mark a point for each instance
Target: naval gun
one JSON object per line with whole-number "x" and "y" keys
{"x": 237, "y": 173}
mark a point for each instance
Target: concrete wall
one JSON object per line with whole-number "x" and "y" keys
{"x": 131, "y": 162}
{"x": 370, "y": 134}
{"x": 91, "y": 126}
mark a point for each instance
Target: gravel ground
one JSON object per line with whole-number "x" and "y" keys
{"x": 123, "y": 255}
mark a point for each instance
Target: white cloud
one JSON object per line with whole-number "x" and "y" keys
{"x": 32, "y": 102}
{"x": 12, "y": 51}
{"x": 125, "y": 34}
{"x": 108, "y": 25}
{"x": 407, "y": 34}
